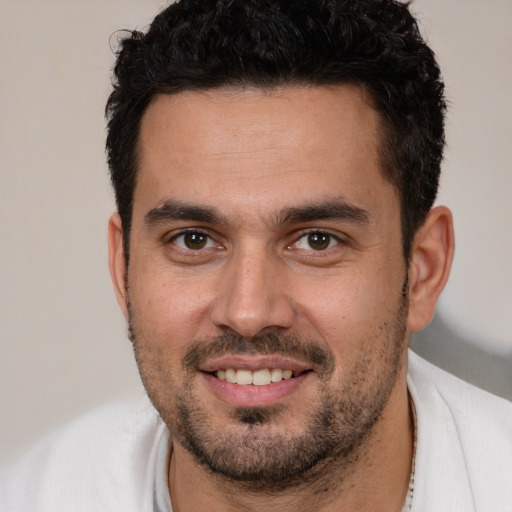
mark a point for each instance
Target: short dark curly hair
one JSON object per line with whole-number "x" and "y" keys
{"x": 196, "y": 45}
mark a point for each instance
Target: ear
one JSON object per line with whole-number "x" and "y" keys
{"x": 116, "y": 261}
{"x": 429, "y": 267}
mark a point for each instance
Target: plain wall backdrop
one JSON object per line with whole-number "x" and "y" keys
{"x": 62, "y": 339}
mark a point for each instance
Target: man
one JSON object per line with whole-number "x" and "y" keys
{"x": 275, "y": 165}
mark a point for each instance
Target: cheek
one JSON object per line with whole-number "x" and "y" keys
{"x": 342, "y": 302}
{"x": 169, "y": 306}
{"x": 350, "y": 312}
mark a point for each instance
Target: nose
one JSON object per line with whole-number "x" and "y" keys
{"x": 251, "y": 296}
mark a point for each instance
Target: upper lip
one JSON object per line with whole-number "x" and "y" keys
{"x": 253, "y": 363}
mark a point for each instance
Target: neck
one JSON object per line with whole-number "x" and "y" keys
{"x": 376, "y": 478}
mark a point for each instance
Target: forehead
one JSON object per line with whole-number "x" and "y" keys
{"x": 222, "y": 146}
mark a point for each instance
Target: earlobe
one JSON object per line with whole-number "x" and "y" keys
{"x": 429, "y": 267}
{"x": 117, "y": 263}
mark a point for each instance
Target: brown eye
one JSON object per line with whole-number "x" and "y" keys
{"x": 319, "y": 241}
{"x": 193, "y": 241}
{"x": 316, "y": 241}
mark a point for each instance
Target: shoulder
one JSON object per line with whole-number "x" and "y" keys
{"x": 463, "y": 400}
{"x": 100, "y": 461}
{"x": 464, "y": 438}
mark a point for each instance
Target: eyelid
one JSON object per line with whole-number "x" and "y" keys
{"x": 211, "y": 243}
{"x": 305, "y": 233}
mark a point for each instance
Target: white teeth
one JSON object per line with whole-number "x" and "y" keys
{"x": 257, "y": 378}
{"x": 244, "y": 377}
{"x": 276, "y": 374}
{"x": 231, "y": 375}
{"x": 261, "y": 378}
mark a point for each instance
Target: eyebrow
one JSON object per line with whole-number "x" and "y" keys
{"x": 172, "y": 210}
{"x": 337, "y": 209}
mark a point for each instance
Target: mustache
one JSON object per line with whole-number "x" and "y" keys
{"x": 312, "y": 354}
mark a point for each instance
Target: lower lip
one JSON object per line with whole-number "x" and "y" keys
{"x": 251, "y": 395}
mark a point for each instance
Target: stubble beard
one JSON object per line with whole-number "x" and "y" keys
{"x": 253, "y": 452}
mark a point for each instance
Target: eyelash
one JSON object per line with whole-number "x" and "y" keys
{"x": 185, "y": 232}
{"x": 333, "y": 241}
{"x": 331, "y": 238}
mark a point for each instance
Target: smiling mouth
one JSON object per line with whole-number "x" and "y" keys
{"x": 262, "y": 377}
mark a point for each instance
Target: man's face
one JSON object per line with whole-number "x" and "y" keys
{"x": 265, "y": 241}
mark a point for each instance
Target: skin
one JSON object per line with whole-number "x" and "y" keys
{"x": 253, "y": 158}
